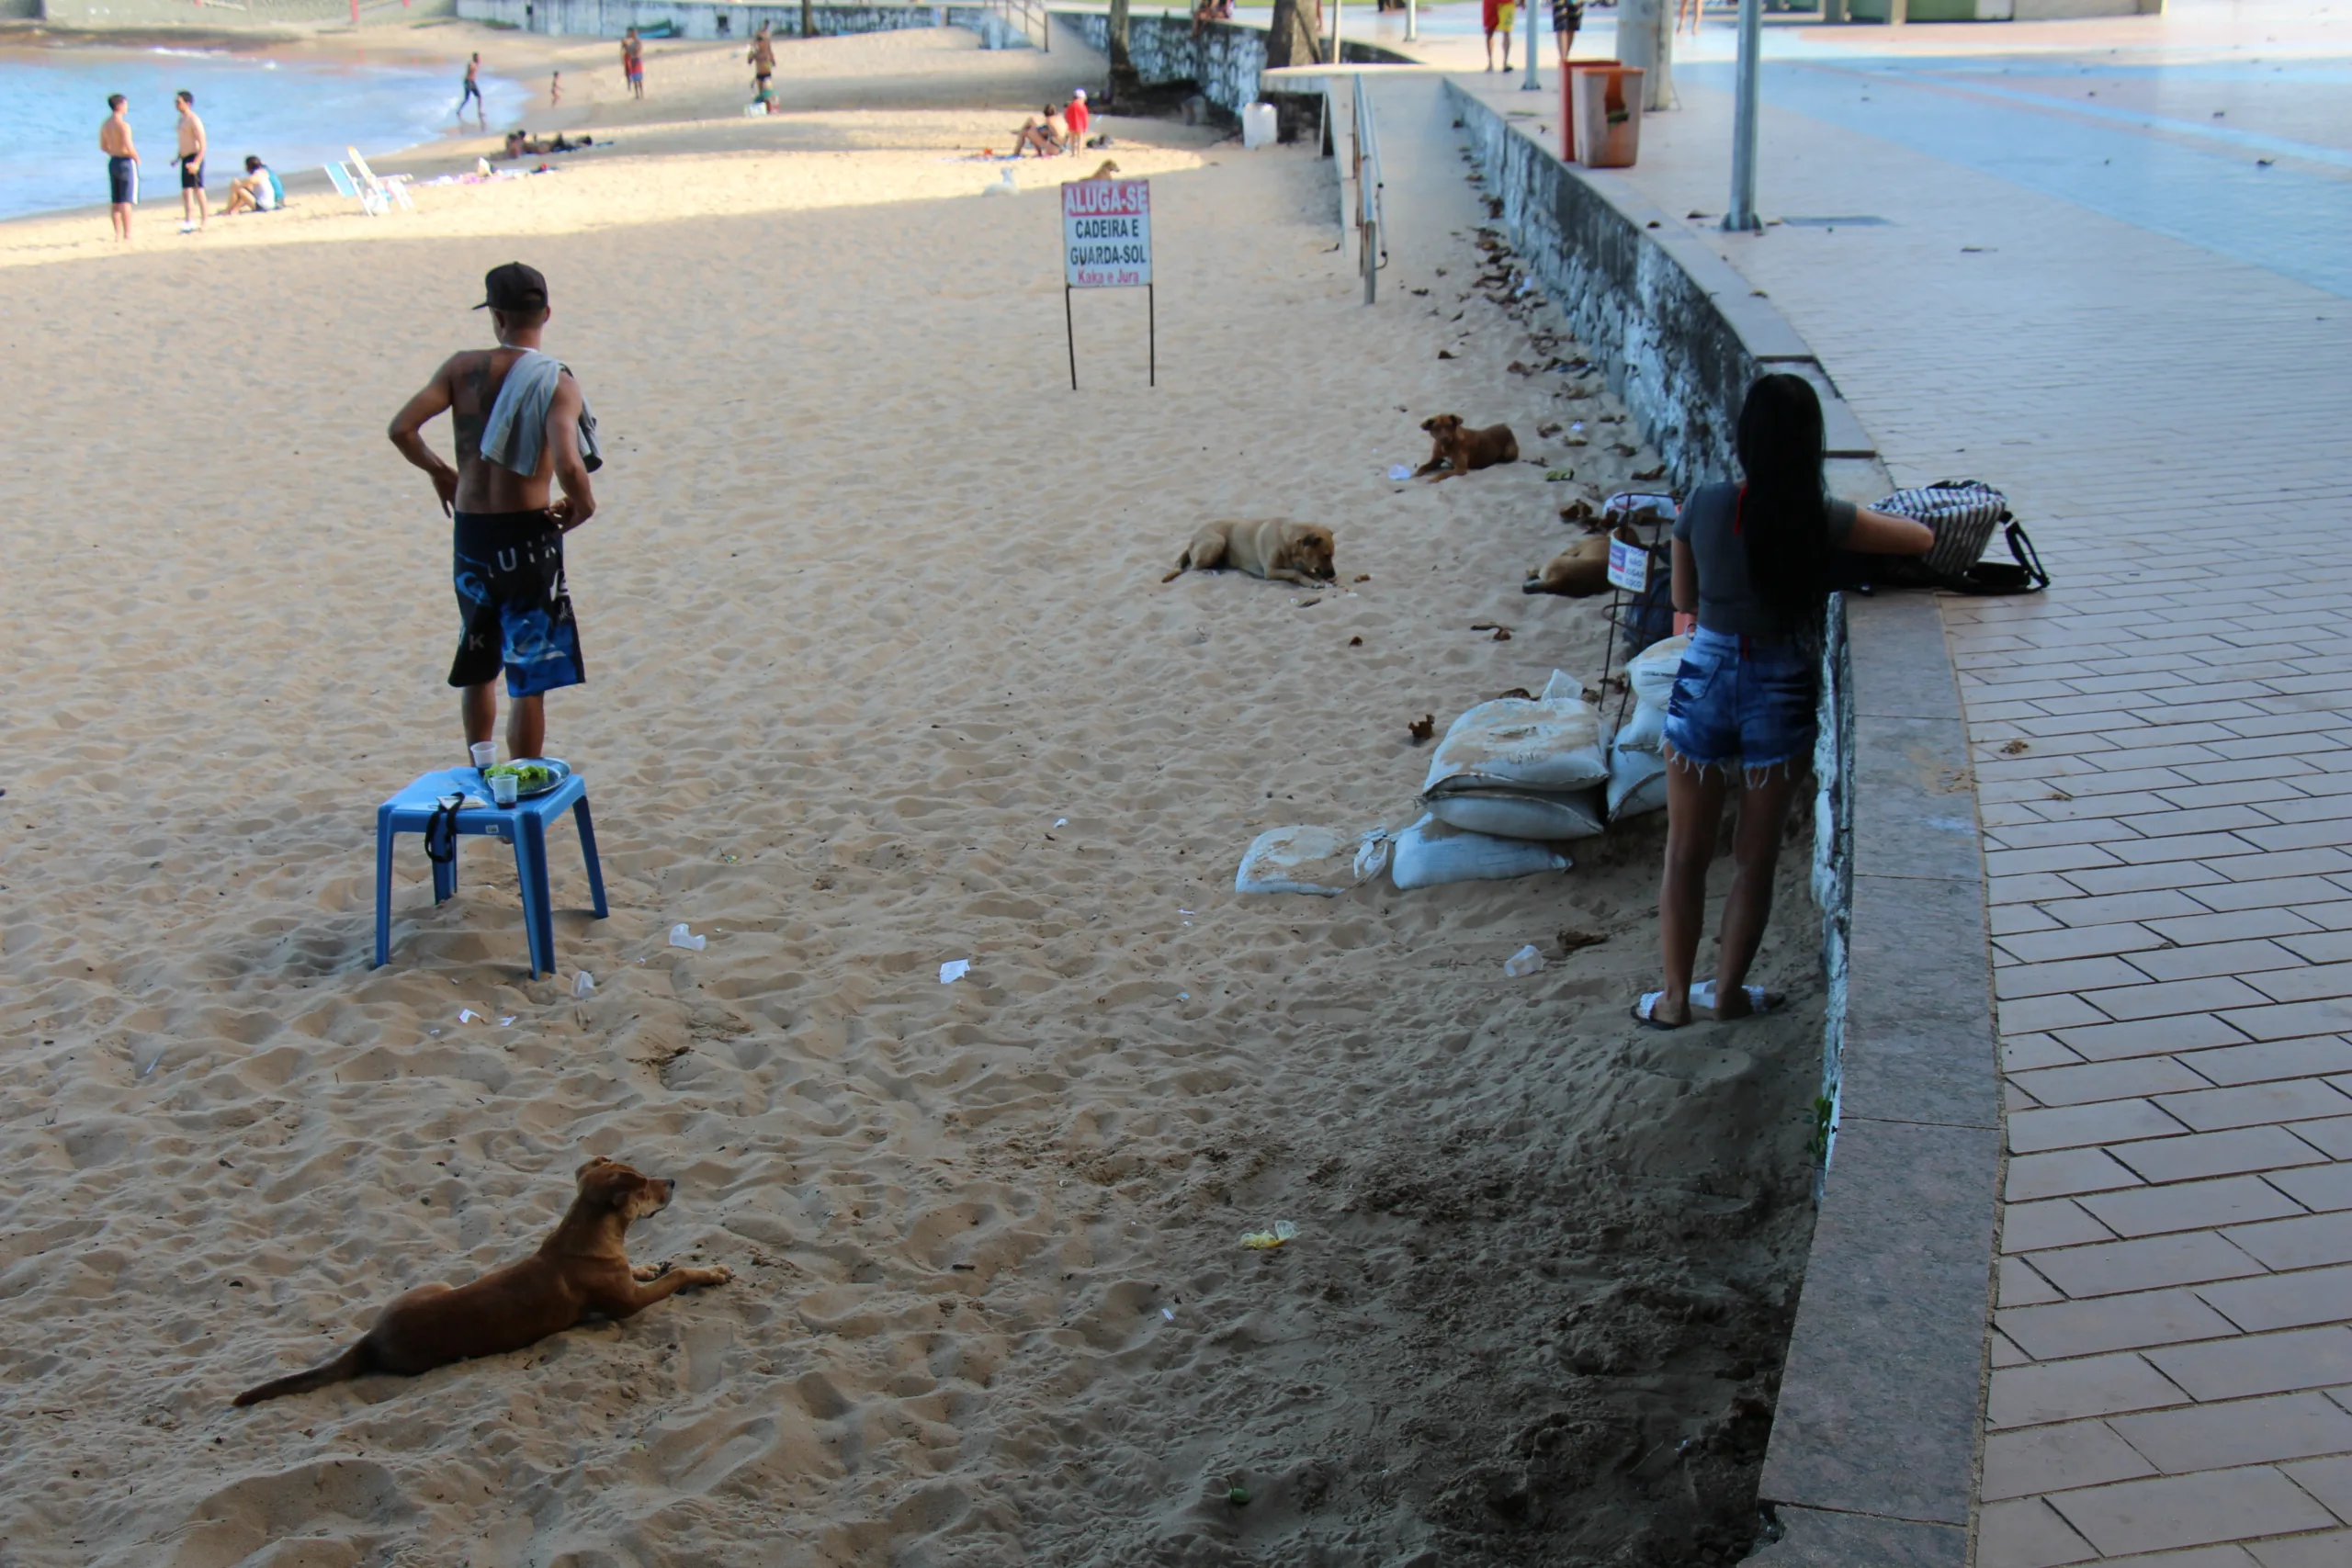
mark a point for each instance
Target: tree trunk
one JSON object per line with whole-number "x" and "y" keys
{"x": 808, "y": 20}
{"x": 1294, "y": 37}
{"x": 1125, "y": 80}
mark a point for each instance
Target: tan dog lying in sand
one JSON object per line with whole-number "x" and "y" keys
{"x": 1455, "y": 443}
{"x": 580, "y": 1268}
{"x": 1273, "y": 548}
{"x": 1577, "y": 573}
{"x": 1110, "y": 166}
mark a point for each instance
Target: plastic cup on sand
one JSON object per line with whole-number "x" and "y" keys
{"x": 485, "y": 753}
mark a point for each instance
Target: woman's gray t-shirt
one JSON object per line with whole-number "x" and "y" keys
{"x": 1727, "y": 601}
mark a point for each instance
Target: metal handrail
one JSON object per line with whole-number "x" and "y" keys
{"x": 1022, "y": 14}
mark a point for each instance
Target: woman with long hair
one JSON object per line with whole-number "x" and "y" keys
{"x": 1752, "y": 565}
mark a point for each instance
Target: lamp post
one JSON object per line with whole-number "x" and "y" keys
{"x": 1533, "y": 82}
{"x": 1412, "y": 21}
{"x": 1742, "y": 217}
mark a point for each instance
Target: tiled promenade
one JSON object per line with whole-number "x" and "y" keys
{"x": 2110, "y": 316}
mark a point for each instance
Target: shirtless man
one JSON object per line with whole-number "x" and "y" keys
{"x": 470, "y": 93}
{"x": 513, "y": 607}
{"x": 193, "y": 215}
{"x": 763, "y": 62}
{"x": 122, "y": 163}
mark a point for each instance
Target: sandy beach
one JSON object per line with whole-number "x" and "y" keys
{"x": 881, "y": 675}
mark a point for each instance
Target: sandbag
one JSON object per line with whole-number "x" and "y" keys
{"x": 1651, "y": 675}
{"x": 1320, "y": 860}
{"x": 1643, "y": 731}
{"x": 1636, "y": 783}
{"x": 1572, "y": 814}
{"x": 1429, "y": 854}
{"x": 1518, "y": 745}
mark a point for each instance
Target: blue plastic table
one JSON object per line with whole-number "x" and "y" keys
{"x": 523, "y": 824}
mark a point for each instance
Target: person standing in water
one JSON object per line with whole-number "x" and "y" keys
{"x": 122, "y": 163}
{"x": 522, "y": 426}
{"x": 193, "y": 146}
{"x": 1752, "y": 572}
{"x": 471, "y": 93}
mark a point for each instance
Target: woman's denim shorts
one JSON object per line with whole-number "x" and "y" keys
{"x": 1743, "y": 701}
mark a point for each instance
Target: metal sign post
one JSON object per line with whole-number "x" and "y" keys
{"x": 1742, "y": 217}
{"x": 1106, "y": 244}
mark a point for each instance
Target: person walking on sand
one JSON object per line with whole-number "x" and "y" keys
{"x": 763, "y": 62}
{"x": 521, "y": 424}
{"x": 1752, "y": 565}
{"x": 555, "y": 89}
{"x": 633, "y": 63}
{"x": 1496, "y": 16}
{"x": 122, "y": 163}
{"x": 471, "y": 93}
{"x": 193, "y": 215}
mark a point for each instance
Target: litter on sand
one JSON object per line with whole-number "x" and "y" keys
{"x": 681, "y": 937}
{"x": 953, "y": 970}
{"x": 582, "y": 983}
{"x": 1399, "y": 471}
{"x": 1525, "y": 961}
{"x": 1266, "y": 1241}
{"x": 468, "y": 1015}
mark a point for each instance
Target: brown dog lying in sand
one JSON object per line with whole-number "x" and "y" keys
{"x": 1273, "y": 546}
{"x": 580, "y": 1268}
{"x": 1455, "y": 443}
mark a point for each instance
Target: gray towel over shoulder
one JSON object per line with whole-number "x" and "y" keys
{"x": 515, "y": 434}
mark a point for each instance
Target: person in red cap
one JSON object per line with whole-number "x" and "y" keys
{"x": 523, "y": 427}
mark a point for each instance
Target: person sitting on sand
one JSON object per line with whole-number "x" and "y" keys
{"x": 255, "y": 191}
{"x": 1039, "y": 139}
{"x": 1752, "y": 567}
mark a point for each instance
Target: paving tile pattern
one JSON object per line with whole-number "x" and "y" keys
{"x": 2165, "y": 783}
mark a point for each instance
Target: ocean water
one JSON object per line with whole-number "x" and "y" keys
{"x": 294, "y": 115}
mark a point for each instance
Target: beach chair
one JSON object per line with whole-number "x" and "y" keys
{"x": 370, "y": 200}
{"x": 391, "y": 190}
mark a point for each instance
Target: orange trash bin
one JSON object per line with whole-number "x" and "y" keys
{"x": 1568, "y": 101}
{"x": 1608, "y": 107}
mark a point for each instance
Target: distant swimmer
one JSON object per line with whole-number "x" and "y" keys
{"x": 193, "y": 215}
{"x": 122, "y": 163}
{"x": 522, "y": 425}
{"x": 471, "y": 93}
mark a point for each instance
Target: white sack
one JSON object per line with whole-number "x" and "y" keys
{"x": 1576, "y": 815}
{"x": 1636, "y": 782}
{"x": 1429, "y": 854}
{"x": 1514, "y": 744}
{"x": 1653, "y": 669}
{"x": 1643, "y": 731}
{"x": 1320, "y": 860}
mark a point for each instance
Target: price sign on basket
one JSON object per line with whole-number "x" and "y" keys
{"x": 1629, "y": 566}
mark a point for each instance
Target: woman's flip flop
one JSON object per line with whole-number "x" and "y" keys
{"x": 1760, "y": 1001}
{"x": 1649, "y": 1004}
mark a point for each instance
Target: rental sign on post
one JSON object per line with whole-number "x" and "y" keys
{"x": 1106, "y": 244}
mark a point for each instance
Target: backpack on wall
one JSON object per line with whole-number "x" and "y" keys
{"x": 1964, "y": 514}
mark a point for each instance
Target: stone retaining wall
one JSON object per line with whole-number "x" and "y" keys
{"x": 1873, "y": 1458}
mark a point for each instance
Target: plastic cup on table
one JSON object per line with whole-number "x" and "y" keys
{"x": 503, "y": 789}
{"x": 485, "y": 753}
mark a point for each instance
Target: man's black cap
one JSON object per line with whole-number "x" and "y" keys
{"x": 516, "y": 288}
